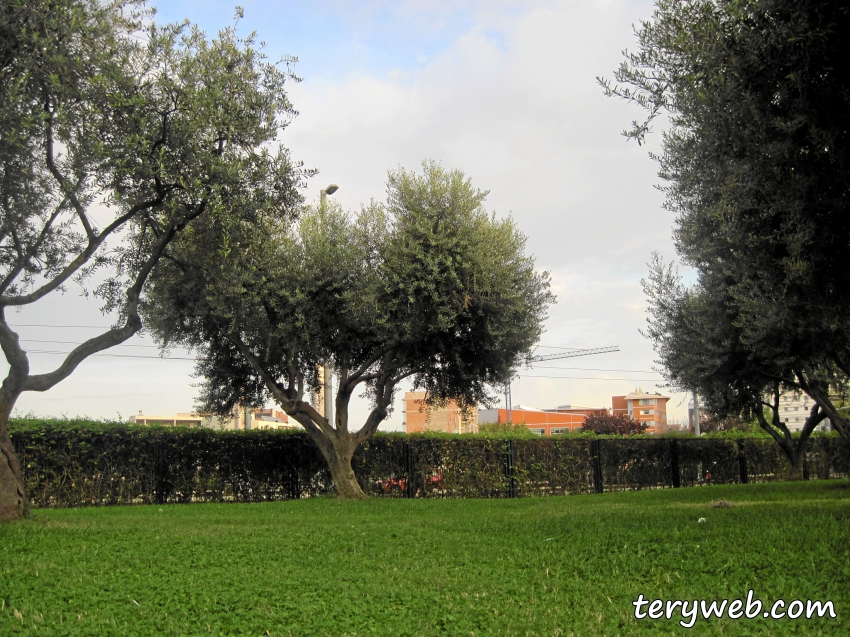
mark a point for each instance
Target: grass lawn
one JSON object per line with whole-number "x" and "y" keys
{"x": 544, "y": 566}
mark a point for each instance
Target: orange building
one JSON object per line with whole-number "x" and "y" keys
{"x": 543, "y": 422}
{"x": 419, "y": 417}
{"x": 643, "y": 407}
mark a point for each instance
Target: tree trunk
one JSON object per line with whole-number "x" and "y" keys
{"x": 338, "y": 452}
{"x": 795, "y": 465}
{"x": 14, "y": 503}
{"x": 347, "y": 487}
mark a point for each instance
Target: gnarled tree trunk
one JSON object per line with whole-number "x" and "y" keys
{"x": 338, "y": 451}
{"x": 796, "y": 459}
{"x": 14, "y": 503}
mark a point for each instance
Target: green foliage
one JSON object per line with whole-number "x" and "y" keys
{"x": 504, "y": 429}
{"x": 73, "y": 463}
{"x": 606, "y": 423}
{"x": 755, "y": 163}
{"x": 430, "y": 287}
{"x": 428, "y": 567}
{"x": 709, "y": 423}
{"x": 116, "y": 136}
{"x": 701, "y": 343}
{"x": 112, "y": 463}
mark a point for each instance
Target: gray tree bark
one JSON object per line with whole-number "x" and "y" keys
{"x": 14, "y": 503}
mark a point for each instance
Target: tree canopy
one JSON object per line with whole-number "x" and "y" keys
{"x": 756, "y": 170}
{"x": 702, "y": 347}
{"x": 605, "y": 423}
{"x": 428, "y": 287}
{"x": 116, "y": 134}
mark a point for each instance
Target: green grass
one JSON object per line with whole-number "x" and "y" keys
{"x": 545, "y": 566}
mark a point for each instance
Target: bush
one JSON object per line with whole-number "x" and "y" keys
{"x": 607, "y": 424}
{"x": 77, "y": 462}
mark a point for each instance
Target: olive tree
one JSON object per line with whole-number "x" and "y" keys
{"x": 115, "y": 136}
{"x": 428, "y": 287}
{"x": 755, "y": 163}
{"x": 702, "y": 346}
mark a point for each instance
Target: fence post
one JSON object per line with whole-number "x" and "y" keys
{"x": 294, "y": 483}
{"x": 510, "y": 474}
{"x": 596, "y": 451}
{"x": 742, "y": 462}
{"x": 675, "y": 477}
{"x": 409, "y": 469}
{"x": 805, "y": 466}
{"x": 159, "y": 470}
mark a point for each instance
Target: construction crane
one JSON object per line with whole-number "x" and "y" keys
{"x": 553, "y": 357}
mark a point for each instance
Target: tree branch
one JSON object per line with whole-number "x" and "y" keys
{"x": 294, "y": 408}
{"x": 64, "y": 184}
{"x": 355, "y": 378}
{"x": 32, "y": 250}
{"x": 115, "y": 336}
{"x": 826, "y": 404}
{"x": 82, "y": 258}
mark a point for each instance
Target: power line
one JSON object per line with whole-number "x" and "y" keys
{"x": 32, "y": 340}
{"x": 595, "y": 369}
{"x": 95, "y": 327}
{"x": 162, "y": 358}
{"x": 638, "y": 380}
{"x": 180, "y": 358}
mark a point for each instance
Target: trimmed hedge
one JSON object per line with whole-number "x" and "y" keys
{"x": 73, "y": 463}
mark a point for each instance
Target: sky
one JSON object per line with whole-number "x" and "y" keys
{"x": 504, "y": 91}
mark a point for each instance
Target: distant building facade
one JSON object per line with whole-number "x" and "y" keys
{"x": 638, "y": 405}
{"x": 240, "y": 419}
{"x": 643, "y": 407}
{"x": 419, "y": 417}
{"x": 543, "y": 422}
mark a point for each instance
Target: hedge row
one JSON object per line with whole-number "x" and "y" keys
{"x": 69, "y": 466}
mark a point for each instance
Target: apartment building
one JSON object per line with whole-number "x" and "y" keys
{"x": 794, "y": 409}
{"x": 419, "y": 417}
{"x": 649, "y": 408}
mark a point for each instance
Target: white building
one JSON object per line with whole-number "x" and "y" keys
{"x": 240, "y": 419}
{"x": 795, "y": 408}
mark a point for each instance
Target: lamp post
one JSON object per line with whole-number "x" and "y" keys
{"x": 326, "y": 372}
{"x": 696, "y": 416}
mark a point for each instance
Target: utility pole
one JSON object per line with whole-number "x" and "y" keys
{"x": 328, "y": 371}
{"x": 696, "y": 416}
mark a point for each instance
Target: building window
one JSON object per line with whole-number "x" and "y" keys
{"x": 558, "y": 430}
{"x": 646, "y": 412}
{"x": 647, "y": 401}
{"x": 538, "y": 431}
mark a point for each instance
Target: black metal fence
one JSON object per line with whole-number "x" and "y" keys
{"x": 125, "y": 465}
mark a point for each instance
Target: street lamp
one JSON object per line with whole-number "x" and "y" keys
{"x": 327, "y": 191}
{"x": 326, "y": 372}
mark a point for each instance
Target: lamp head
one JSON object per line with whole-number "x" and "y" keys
{"x": 331, "y": 189}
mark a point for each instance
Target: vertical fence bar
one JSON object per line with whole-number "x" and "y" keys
{"x": 294, "y": 483}
{"x": 596, "y": 451}
{"x": 742, "y": 462}
{"x": 805, "y": 467}
{"x": 510, "y": 473}
{"x": 675, "y": 477}
{"x": 409, "y": 469}
{"x": 159, "y": 470}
